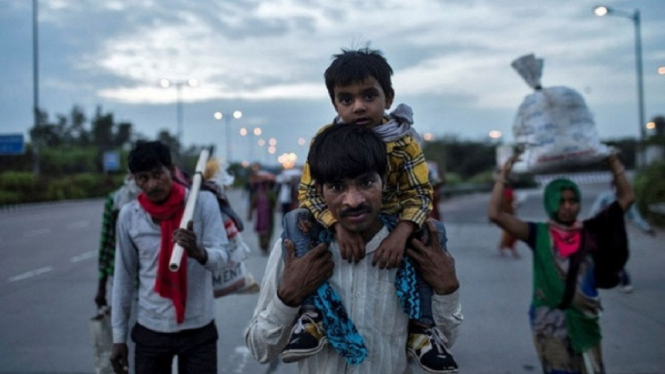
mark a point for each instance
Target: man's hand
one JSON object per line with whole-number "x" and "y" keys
{"x": 391, "y": 250}
{"x": 436, "y": 266}
{"x": 303, "y": 275}
{"x": 119, "y": 358}
{"x": 187, "y": 240}
{"x": 351, "y": 244}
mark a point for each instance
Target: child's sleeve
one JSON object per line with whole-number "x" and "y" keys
{"x": 310, "y": 199}
{"x": 415, "y": 191}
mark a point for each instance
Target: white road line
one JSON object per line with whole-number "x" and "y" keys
{"x": 83, "y": 256}
{"x": 78, "y": 225}
{"x": 31, "y": 273}
{"x": 36, "y": 232}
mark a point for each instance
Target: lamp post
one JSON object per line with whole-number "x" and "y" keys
{"x": 36, "y": 167}
{"x": 219, "y": 116}
{"x": 166, "y": 83}
{"x": 635, "y": 17}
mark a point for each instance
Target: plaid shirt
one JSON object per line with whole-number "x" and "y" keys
{"x": 107, "y": 241}
{"x": 407, "y": 191}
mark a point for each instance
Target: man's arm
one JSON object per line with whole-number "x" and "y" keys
{"x": 106, "y": 255}
{"x": 285, "y": 285}
{"x": 124, "y": 285}
{"x": 437, "y": 267}
{"x": 268, "y": 331}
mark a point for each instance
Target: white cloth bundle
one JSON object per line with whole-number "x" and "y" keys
{"x": 553, "y": 124}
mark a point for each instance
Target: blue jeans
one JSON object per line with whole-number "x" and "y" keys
{"x": 306, "y": 233}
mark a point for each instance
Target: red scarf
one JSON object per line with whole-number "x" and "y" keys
{"x": 169, "y": 284}
{"x": 567, "y": 239}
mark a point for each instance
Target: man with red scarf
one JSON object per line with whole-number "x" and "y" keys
{"x": 571, "y": 259}
{"x": 175, "y": 310}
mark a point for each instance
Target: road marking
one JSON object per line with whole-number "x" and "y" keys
{"x": 31, "y": 273}
{"x": 83, "y": 256}
{"x": 78, "y": 225}
{"x": 36, "y": 232}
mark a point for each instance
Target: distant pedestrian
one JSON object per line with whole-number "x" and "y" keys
{"x": 106, "y": 256}
{"x": 571, "y": 259}
{"x": 287, "y": 193}
{"x": 175, "y": 309}
{"x": 603, "y": 200}
{"x": 263, "y": 204}
{"x": 508, "y": 206}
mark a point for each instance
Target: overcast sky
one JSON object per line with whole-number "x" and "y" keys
{"x": 266, "y": 58}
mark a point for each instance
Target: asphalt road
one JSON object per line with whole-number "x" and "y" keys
{"x": 49, "y": 278}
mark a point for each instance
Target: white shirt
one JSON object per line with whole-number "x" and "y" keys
{"x": 284, "y": 193}
{"x": 368, "y": 293}
{"x": 137, "y": 253}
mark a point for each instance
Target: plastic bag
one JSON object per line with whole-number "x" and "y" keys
{"x": 234, "y": 276}
{"x": 554, "y": 125}
{"x": 102, "y": 340}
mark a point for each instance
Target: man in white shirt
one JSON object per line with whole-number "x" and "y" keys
{"x": 175, "y": 309}
{"x": 349, "y": 163}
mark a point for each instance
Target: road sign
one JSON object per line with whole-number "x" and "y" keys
{"x": 111, "y": 161}
{"x": 12, "y": 144}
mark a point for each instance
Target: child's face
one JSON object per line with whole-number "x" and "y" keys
{"x": 362, "y": 103}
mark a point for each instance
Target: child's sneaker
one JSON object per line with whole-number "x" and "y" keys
{"x": 426, "y": 346}
{"x": 307, "y": 337}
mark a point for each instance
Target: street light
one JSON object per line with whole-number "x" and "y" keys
{"x": 635, "y": 17}
{"x": 178, "y": 86}
{"x": 661, "y": 70}
{"x": 495, "y": 135}
{"x": 218, "y": 116}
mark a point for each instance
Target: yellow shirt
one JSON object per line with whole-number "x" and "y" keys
{"x": 407, "y": 193}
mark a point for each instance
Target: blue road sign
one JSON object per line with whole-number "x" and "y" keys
{"x": 111, "y": 161}
{"x": 12, "y": 144}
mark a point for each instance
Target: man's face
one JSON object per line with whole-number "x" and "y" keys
{"x": 569, "y": 207}
{"x": 155, "y": 183}
{"x": 355, "y": 202}
{"x": 362, "y": 103}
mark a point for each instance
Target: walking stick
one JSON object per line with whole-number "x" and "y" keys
{"x": 176, "y": 255}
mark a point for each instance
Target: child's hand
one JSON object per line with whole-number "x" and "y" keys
{"x": 351, "y": 244}
{"x": 391, "y": 250}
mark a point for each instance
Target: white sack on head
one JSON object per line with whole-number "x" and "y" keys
{"x": 554, "y": 124}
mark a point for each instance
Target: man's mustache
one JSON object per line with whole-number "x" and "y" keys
{"x": 155, "y": 191}
{"x": 357, "y": 210}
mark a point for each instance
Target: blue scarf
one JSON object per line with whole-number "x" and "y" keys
{"x": 340, "y": 330}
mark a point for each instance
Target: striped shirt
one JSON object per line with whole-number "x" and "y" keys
{"x": 106, "y": 255}
{"x": 408, "y": 190}
{"x": 368, "y": 294}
